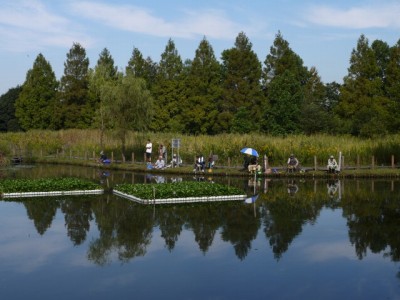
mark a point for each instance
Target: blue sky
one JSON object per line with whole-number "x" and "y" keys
{"x": 322, "y": 33}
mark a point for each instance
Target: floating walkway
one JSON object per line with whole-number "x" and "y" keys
{"x": 54, "y": 193}
{"x": 181, "y": 200}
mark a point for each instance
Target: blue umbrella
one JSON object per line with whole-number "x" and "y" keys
{"x": 249, "y": 151}
{"x": 251, "y": 199}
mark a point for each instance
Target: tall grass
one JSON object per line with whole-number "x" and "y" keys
{"x": 226, "y": 146}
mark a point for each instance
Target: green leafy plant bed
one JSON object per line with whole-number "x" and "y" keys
{"x": 15, "y": 188}
{"x": 181, "y": 192}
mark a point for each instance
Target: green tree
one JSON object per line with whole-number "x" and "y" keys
{"x": 313, "y": 116}
{"x": 363, "y": 106}
{"x": 104, "y": 71}
{"x": 203, "y": 91}
{"x": 74, "y": 89}
{"x": 142, "y": 68}
{"x": 129, "y": 106}
{"x": 392, "y": 87}
{"x": 241, "y": 71}
{"x": 168, "y": 91}
{"x": 285, "y": 96}
{"x": 8, "y": 121}
{"x": 285, "y": 82}
{"x": 36, "y": 105}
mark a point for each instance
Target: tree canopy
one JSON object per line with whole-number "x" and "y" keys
{"x": 206, "y": 95}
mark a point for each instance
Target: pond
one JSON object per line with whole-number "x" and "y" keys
{"x": 295, "y": 239}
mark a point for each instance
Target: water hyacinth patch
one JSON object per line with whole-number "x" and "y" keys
{"x": 177, "y": 190}
{"x": 46, "y": 185}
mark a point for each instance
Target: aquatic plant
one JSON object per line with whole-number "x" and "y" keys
{"x": 46, "y": 185}
{"x": 178, "y": 190}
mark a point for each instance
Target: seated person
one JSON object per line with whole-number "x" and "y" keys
{"x": 246, "y": 161}
{"x": 199, "y": 164}
{"x": 175, "y": 162}
{"x": 332, "y": 165}
{"x": 254, "y": 168}
{"x": 210, "y": 162}
{"x": 103, "y": 158}
{"x": 292, "y": 163}
{"x": 159, "y": 164}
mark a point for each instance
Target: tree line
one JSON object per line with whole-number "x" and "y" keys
{"x": 238, "y": 94}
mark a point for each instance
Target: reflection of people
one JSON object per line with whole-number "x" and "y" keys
{"x": 292, "y": 163}
{"x": 332, "y": 188}
{"x": 292, "y": 188}
{"x": 149, "y": 150}
{"x": 160, "y": 163}
{"x": 332, "y": 165}
{"x": 159, "y": 179}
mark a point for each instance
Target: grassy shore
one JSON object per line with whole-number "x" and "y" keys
{"x": 361, "y": 156}
{"x": 348, "y": 172}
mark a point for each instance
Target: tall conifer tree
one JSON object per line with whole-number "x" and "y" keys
{"x": 36, "y": 106}
{"x": 203, "y": 91}
{"x": 74, "y": 89}
{"x": 167, "y": 91}
{"x": 242, "y": 95}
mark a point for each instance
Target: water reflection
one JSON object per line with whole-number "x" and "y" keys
{"x": 372, "y": 214}
{"x": 276, "y": 222}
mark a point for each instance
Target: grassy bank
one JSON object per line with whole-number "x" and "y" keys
{"x": 65, "y": 144}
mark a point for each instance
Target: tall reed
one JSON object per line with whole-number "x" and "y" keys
{"x": 226, "y": 146}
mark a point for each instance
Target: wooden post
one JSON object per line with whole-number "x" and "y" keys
{"x": 70, "y": 154}
{"x": 265, "y": 163}
{"x": 373, "y": 162}
{"x": 57, "y": 153}
{"x": 112, "y": 156}
{"x": 86, "y": 155}
{"x": 94, "y": 156}
{"x": 315, "y": 163}
{"x": 392, "y": 161}
{"x": 133, "y": 157}
{"x": 358, "y": 161}
{"x": 41, "y": 152}
{"x": 229, "y": 162}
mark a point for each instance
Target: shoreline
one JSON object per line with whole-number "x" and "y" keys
{"x": 347, "y": 172}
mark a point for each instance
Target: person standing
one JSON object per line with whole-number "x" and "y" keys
{"x": 149, "y": 150}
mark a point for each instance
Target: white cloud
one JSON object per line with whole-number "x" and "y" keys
{"x": 28, "y": 25}
{"x": 382, "y": 16}
{"x": 210, "y": 23}
{"x": 328, "y": 251}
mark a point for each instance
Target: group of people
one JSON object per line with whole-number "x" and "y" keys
{"x": 293, "y": 164}
{"x": 162, "y": 157}
{"x": 250, "y": 162}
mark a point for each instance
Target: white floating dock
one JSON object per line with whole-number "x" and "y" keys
{"x": 181, "y": 200}
{"x": 54, "y": 193}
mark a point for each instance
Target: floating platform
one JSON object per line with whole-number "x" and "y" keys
{"x": 181, "y": 200}
{"x": 54, "y": 193}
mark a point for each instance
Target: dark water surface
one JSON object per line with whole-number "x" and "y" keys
{"x": 302, "y": 239}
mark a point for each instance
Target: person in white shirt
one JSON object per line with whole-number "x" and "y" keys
{"x": 160, "y": 163}
{"x": 149, "y": 150}
{"x": 332, "y": 165}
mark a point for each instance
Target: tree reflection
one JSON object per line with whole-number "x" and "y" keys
{"x": 125, "y": 228}
{"x": 285, "y": 214}
{"x": 77, "y": 215}
{"x": 240, "y": 227}
{"x": 372, "y": 219}
{"x": 42, "y": 211}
